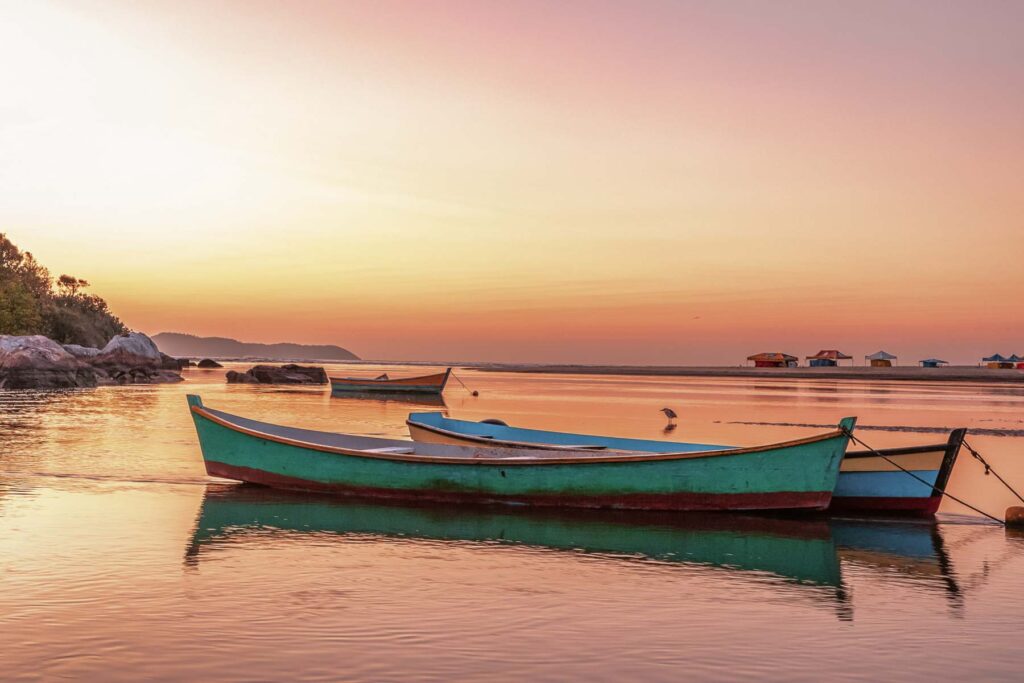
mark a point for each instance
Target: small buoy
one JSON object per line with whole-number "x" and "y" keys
{"x": 476, "y": 393}
{"x": 1015, "y": 516}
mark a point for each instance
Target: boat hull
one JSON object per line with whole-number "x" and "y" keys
{"x": 795, "y": 475}
{"x": 679, "y": 501}
{"x": 870, "y": 484}
{"x": 867, "y": 484}
{"x": 427, "y": 384}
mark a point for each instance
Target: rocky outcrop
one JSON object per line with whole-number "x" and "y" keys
{"x": 283, "y": 374}
{"x": 36, "y": 362}
{"x": 134, "y": 359}
{"x": 81, "y": 351}
{"x": 207, "y": 363}
{"x": 134, "y": 349}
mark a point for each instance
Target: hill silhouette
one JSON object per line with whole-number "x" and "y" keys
{"x": 179, "y": 344}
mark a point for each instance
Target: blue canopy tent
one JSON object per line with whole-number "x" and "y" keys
{"x": 932, "y": 363}
{"x": 997, "y": 361}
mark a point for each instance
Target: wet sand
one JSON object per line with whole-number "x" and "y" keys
{"x": 961, "y": 373}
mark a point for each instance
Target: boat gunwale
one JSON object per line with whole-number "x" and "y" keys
{"x": 621, "y": 457}
{"x": 495, "y": 442}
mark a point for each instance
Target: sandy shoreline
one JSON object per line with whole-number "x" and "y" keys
{"x": 966, "y": 373}
{"x": 955, "y": 373}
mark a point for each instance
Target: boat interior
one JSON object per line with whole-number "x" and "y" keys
{"x": 377, "y": 445}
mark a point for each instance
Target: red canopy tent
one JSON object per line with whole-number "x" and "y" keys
{"x": 773, "y": 359}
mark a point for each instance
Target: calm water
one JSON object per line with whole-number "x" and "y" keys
{"x": 120, "y": 560}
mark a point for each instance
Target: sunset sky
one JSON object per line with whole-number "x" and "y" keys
{"x": 642, "y": 182}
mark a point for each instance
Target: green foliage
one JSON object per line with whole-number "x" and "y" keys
{"x": 32, "y": 303}
{"x": 19, "y": 310}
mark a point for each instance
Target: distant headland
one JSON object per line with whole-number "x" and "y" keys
{"x": 179, "y": 344}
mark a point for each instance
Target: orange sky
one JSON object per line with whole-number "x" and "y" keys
{"x": 649, "y": 182}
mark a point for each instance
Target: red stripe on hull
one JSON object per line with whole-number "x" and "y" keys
{"x": 678, "y": 502}
{"x": 908, "y": 507}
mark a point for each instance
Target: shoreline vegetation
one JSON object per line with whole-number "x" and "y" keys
{"x": 32, "y": 303}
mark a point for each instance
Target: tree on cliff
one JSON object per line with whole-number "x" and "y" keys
{"x": 31, "y": 303}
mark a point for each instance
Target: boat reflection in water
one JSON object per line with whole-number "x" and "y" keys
{"x": 799, "y": 551}
{"x": 794, "y": 554}
{"x": 912, "y": 551}
{"x": 383, "y": 397}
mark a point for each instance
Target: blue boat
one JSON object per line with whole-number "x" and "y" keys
{"x": 867, "y": 484}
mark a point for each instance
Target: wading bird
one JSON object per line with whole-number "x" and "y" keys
{"x": 671, "y": 415}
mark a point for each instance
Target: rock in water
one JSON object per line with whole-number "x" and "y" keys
{"x": 235, "y": 377}
{"x": 36, "y": 362}
{"x": 207, "y": 363}
{"x": 169, "y": 363}
{"x": 289, "y": 374}
{"x": 1015, "y": 516}
{"x": 273, "y": 374}
{"x": 134, "y": 359}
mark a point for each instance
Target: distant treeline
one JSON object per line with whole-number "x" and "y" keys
{"x": 32, "y": 302}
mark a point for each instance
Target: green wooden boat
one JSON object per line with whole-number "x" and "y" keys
{"x": 798, "y": 474}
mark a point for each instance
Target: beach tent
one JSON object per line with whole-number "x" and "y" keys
{"x": 932, "y": 363}
{"x": 997, "y": 361}
{"x": 880, "y": 359}
{"x": 773, "y": 359}
{"x": 1017, "y": 361}
{"x": 827, "y": 358}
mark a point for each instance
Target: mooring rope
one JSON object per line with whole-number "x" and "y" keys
{"x": 931, "y": 486}
{"x": 462, "y": 383}
{"x": 990, "y": 470}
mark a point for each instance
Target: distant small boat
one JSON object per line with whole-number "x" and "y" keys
{"x": 425, "y": 384}
{"x": 798, "y": 474}
{"x": 867, "y": 483}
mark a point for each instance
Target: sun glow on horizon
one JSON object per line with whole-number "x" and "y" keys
{"x": 664, "y": 183}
